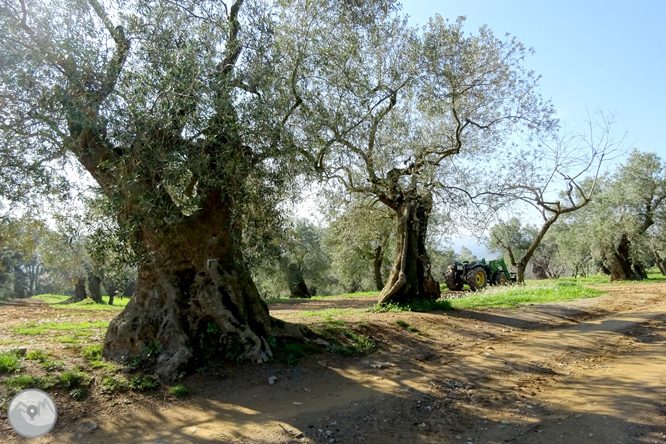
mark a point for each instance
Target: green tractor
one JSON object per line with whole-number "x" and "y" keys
{"x": 477, "y": 274}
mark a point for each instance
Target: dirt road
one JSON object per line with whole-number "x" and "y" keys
{"x": 588, "y": 371}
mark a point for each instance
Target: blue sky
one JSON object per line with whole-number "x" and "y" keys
{"x": 608, "y": 55}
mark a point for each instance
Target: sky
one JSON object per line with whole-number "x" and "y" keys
{"x": 607, "y": 55}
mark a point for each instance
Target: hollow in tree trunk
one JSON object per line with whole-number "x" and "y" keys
{"x": 410, "y": 276}
{"x": 194, "y": 300}
{"x": 378, "y": 267}
{"x": 620, "y": 264}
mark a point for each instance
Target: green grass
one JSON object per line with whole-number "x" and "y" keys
{"x": 347, "y": 342}
{"x": 597, "y": 279}
{"x": 57, "y": 301}
{"x": 359, "y": 294}
{"x": 76, "y": 329}
{"x": 179, "y": 391}
{"x": 535, "y": 292}
{"x": 38, "y": 355}
{"x": 328, "y": 313}
{"x": 53, "y": 365}
{"x": 9, "y": 362}
{"x": 421, "y": 306}
{"x": 143, "y": 382}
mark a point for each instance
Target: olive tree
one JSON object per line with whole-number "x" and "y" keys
{"x": 181, "y": 111}
{"x": 559, "y": 179}
{"x": 412, "y": 119}
{"x": 359, "y": 238}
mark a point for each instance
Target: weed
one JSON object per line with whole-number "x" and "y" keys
{"x": 143, "y": 382}
{"x": 22, "y": 382}
{"x": 179, "y": 391}
{"x": 405, "y": 325}
{"x": 152, "y": 349}
{"x": 103, "y": 364}
{"x": 135, "y": 363}
{"x": 53, "y": 365}
{"x": 72, "y": 379}
{"x": 110, "y": 384}
{"x": 38, "y": 355}
{"x": 78, "y": 394}
{"x": 93, "y": 352}
{"x": 10, "y": 362}
{"x": 347, "y": 342}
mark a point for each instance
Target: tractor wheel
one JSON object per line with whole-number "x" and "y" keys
{"x": 500, "y": 279}
{"x": 477, "y": 278}
{"x": 451, "y": 282}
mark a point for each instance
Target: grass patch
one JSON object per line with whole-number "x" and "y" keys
{"x": 419, "y": 305}
{"x": 534, "y": 293}
{"x": 347, "y": 342}
{"x": 46, "y": 327}
{"x": 38, "y": 355}
{"x": 359, "y": 294}
{"x": 10, "y": 362}
{"x": 22, "y": 382}
{"x": 73, "y": 379}
{"x": 58, "y": 301}
{"x": 179, "y": 391}
{"x": 328, "y": 313}
{"x": 93, "y": 354}
{"x": 53, "y": 365}
{"x": 110, "y": 384}
{"x": 143, "y": 382}
{"x": 407, "y": 326}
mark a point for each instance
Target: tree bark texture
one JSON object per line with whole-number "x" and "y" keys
{"x": 620, "y": 264}
{"x": 378, "y": 267}
{"x": 94, "y": 287}
{"x": 194, "y": 300}
{"x": 410, "y": 276}
{"x": 80, "y": 289}
{"x": 659, "y": 261}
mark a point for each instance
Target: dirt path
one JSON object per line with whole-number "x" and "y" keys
{"x": 588, "y": 371}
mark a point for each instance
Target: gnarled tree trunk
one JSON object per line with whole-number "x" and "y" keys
{"x": 195, "y": 299}
{"x": 94, "y": 286}
{"x": 80, "y": 290}
{"x": 296, "y": 283}
{"x": 620, "y": 264}
{"x": 410, "y": 277}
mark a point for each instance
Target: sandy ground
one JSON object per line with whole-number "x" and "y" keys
{"x": 587, "y": 371}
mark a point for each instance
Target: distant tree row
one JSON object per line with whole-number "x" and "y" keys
{"x": 621, "y": 232}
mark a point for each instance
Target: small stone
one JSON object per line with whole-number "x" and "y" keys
{"x": 272, "y": 379}
{"x": 297, "y": 403}
{"x": 321, "y": 342}
{"x": 490, "y": 348}
{"x": 423, "y": 424}
{"x": 458, "y": 437}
